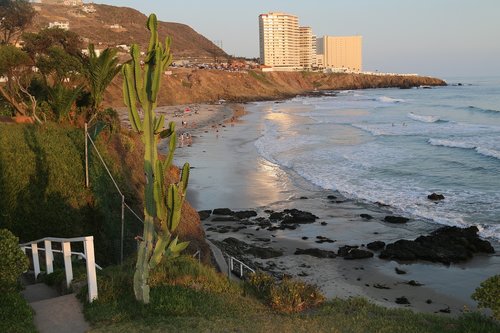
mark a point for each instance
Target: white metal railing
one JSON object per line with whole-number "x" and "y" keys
{"x": 88, "y": 255}
{"x": 242, "y": 267}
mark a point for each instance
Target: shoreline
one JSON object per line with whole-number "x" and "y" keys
{"x": 374, "y": 279}
{"x": 336, "y": 277}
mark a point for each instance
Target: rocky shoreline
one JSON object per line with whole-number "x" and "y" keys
{"x": 251, "y": 236}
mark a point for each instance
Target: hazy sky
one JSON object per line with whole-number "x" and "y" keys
{"x": 434, "y": 37}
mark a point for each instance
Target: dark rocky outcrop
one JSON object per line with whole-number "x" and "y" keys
{"x": 204, "y": 214}
{"x": 222, "y": 211}
{"x": 292, "y": 216}
{"x": 402, "y": 300}
{"x": 396, "y": 219}
{"x": 316, "y": 253}
{"x": 366, "y": 216}
{"x": 399, "y": 271}
{"x": 358, "y": 254}
{"x": 353, "y": 252}
{"x": 435, "y": 197}
{"x": 446, "y": 245}
{"x": 375, "y": 246}
{"x": 245, "y": 214}
{"x": 238, "y": 247}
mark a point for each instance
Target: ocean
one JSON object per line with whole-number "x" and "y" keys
{"x": 396, "y": 146}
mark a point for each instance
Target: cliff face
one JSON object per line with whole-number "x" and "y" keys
{"x": 203, "y": 86}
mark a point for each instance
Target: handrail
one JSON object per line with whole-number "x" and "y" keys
{"x": 88, "y": 255}
{"x": 242, "y": 266}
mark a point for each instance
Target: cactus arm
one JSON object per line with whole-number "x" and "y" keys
{"x": 129, "y": 97}
{"x": 185, "y": 177}
{"x": 137, "y": 72}
{"x": 171, "y": 150}
{"x": 152, "y": 24}
{"x": 161, "y": 244}
{"x": 159, "y": 190}
{"x": 159, "y": 124}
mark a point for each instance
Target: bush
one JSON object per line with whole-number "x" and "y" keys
{"x": 295, "y": 296}
{"x": 260, "y": 284}
{"x": 17, "y": 316}
{"x": 12, "y": 261}
{"x": 488, "y": 295}
{"x": 287, "y": 296}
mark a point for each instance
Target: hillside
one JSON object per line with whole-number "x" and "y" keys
{"x": 199, "y": 86}
{"x": 129, "y": 28}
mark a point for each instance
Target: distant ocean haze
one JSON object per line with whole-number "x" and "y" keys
{"x": 396, "y": 146}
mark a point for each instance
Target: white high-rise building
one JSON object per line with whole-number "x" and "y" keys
{"x": 283, "y": 44}
{"x": 279, "y": 40}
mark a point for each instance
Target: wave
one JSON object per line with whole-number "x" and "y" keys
{"x": 475, "y": 108}
{"x": 424, "y": 118}
{"x": 489, "y": 152}
{"x": 385, "y": 99}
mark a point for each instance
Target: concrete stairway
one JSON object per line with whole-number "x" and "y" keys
{"x": 54, "y": 313}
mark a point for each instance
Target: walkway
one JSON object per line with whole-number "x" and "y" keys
{"x": 54, "y": 313}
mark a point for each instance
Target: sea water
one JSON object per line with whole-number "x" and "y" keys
{"x": 396, "y": 146}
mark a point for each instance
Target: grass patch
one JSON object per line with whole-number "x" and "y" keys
{"x": 189, "y": 297}
{"x": 258, "y": 75}
{"x": 42, "y": 189}
{"x": 17, "y": 316}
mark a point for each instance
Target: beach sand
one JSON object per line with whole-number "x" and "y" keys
{"x": 228, "y": 172}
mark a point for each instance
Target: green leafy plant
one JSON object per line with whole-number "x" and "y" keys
{"x": 488, "y": 295}
{"x": 12, "y": 261}
{"x": 287, "y": 296}
{"x": 162, "y": 209}
{"x": 99, "y": 71}
{"x": 61, "y": 99}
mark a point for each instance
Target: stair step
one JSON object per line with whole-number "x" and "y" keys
{"x": 59, "y": 315}
{"x": 38, "y": 292}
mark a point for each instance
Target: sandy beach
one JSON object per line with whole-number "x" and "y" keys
{"x": 228, "y": 172}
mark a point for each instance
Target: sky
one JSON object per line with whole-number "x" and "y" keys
{"x": 446, "y": 38}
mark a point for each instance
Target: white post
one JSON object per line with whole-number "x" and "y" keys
{"x": 86, "y": 157}
{"x": 241, "y": 269}
{"x": 66, "y": 248}
{"x": 91, "y": 274}
{"x": 36, "y": 262}
{"x": 49, "y": 257}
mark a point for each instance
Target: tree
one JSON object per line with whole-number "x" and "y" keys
{"x": 15, "y": 17}
{"x": 57, "y": 66}
{"x": 99, "y": 72}
{"x": 162, "y": 205}
{"x": 39, "y": 43}
{"x": 16, "y": 67}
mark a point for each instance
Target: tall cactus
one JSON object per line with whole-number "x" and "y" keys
{"x": 162, "y": 208}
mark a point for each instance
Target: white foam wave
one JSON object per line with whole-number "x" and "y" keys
{"x": 452, "y": 144}
{"x": 423, "y": 118}
{"x": 488, "y": 152}
{"x": 386, "y": 99}
{"x": 469, "y": 143}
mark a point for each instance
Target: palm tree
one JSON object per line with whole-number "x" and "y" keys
{"x": 99, "y": 72}
{"x": 61, "y": 99}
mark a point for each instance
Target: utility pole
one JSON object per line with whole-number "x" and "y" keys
{"x": 216, "y": 47}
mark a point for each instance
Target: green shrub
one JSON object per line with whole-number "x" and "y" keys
{"x": 260, "y": 285}
{"x": 17, "y": 316}
{"x": 287, "y": 296}
{"x": 186, "y": 271}
{"x": 295, "y": 296}
{"x": 488, "y": 295}
{"x": 12, "y": 261}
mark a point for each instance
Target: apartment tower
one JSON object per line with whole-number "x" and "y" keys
{"x": 342, "y": 53}
{"x": 279, "y": 40}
